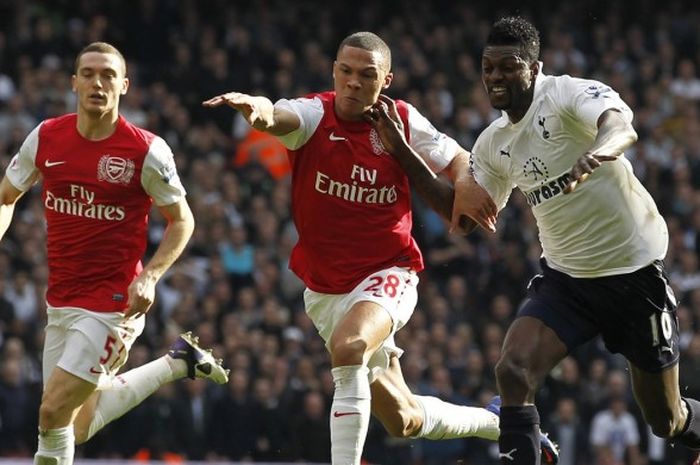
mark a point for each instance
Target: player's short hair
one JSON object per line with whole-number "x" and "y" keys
{"x": 101, "y": 47}
{"x": 371, "y": 42}
{"x": 515, "y": 30}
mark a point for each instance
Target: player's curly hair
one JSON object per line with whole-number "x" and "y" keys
{"x": 371, "y": 42}
{"x": 515, "y": 30}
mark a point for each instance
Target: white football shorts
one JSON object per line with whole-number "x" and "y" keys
{"x": 90, "y": 345}
{"x": 394, "y": 289}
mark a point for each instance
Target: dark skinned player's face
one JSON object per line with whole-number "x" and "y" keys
{"x": 508, "y": 78}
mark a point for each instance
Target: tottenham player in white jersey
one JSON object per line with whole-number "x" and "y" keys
{"x": 603, "y": 239}
{"x": 100, "y": 175}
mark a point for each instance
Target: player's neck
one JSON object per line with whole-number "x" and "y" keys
{"x": 97, "y": 126}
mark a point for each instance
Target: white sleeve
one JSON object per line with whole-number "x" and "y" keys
{"x": 436, "y": 148}
{"x": 587, "y": 99}
{"x": 489, "y": 173}
{"x": 310, "y": 113}
{"x": 159, "y": 176}
{"x": 22, "y": 171}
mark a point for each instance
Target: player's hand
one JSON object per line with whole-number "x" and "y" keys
{"x": 142, "y": 293}
{"x": 583, "y": 167}
{"x": 473, "y": 201}
{"x": 256, "y": 110}
{"x": 385, "y": 119}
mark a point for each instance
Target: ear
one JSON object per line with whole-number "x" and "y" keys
{"x": 126, "y": 86}
{"x": 73, "y": 78}
{"x": 387, "y": 80}
{"x": 534, "y": 70}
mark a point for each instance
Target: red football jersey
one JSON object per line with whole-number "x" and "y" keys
{"x": 351, "y": 205}
{"x": 96, "y": 207}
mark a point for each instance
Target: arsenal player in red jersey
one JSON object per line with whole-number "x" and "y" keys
{"x": 100, "y": 176}
{"x": 352, "y": 208}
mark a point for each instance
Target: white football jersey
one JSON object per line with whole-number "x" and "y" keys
{"x": 610, "y": 224}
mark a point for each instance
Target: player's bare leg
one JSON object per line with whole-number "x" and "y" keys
{"x": 63, "y": 395}
{"x": 185, "y": 358}
{"x": 669, "y": 414}
{"x": 530, "y": 351}
{"x": 404, "y": 414}
{"x": 358, "y": 335}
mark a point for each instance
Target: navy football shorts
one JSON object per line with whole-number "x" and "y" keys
{"x": 635, "y": 313}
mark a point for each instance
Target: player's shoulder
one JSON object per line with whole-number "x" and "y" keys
{"x": 324, "y": 97}
{"x": 138, "y": 137}
{"x": 566, "y": 83}
{"x": 59, "y": 124}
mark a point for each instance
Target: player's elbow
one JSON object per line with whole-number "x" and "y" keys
{"x": 8, "y": 193}
{"x": 631, "y": 133}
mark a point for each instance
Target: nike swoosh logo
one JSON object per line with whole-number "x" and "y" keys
{"x": 95, "y": 372}
{"x": 333, "y": 137}
{"x": 49, "y": 164}
{"x": 343, "y": 414}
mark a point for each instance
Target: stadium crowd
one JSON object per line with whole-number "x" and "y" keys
{"x": 232, "y": 286}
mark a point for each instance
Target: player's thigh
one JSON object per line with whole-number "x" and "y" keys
{"x": 638, "y": 318}
{"x": 371, "y": 313}
{"x": 366, "y": 322}
{"x": 393, "y": 403}
{"x": 98, "y": 344}
{"x": 54, "y": 344}
{"x": 64, "y": 394}
{"x": 532, "y": 345}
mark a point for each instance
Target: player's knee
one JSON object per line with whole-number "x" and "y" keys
{"x": 663, "y": 428}
{"x": 665, "y": 424}
{"x": 513, "y": 374}
{"x": 348, "y": 352}
{"x": 51, "y": 415}
{"x": 81, "y": 434}
{"x": 406, "y": 423}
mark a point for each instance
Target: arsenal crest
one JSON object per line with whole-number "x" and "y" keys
{"x": 116, "y": 170}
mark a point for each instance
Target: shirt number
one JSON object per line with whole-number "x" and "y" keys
{"x": 380, "y": 286}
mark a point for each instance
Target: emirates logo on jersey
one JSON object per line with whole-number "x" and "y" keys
{"x": 376, "y": 141}
{"x": 116, "y": 170}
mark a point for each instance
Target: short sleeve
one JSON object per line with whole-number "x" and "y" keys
{"x": 587, "y": 99}
{"x": 309, "y": 111}
{"x": 436, "y": 148}
{"x": 22, "y": 171}
{"x": 489, "y": 174}
{"x": 159, "y": 176}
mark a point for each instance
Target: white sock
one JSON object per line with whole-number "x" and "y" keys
{"x": 442, "y": 420}
{"x": 56, "y": 447}
{"x": 130, "y": 389}
{"x": 349, "y": 414}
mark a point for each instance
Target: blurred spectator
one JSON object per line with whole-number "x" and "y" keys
{"x": 615, "y": 435}
{"x": 568, "y": 430}
{"x": 310, "y": 432}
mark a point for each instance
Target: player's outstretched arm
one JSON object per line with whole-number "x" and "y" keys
{"x": 258, "y": 111}
{"x": 614, "y": 135}
{"x": 9, "y": 195}
{"x": 142, "y": 289}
